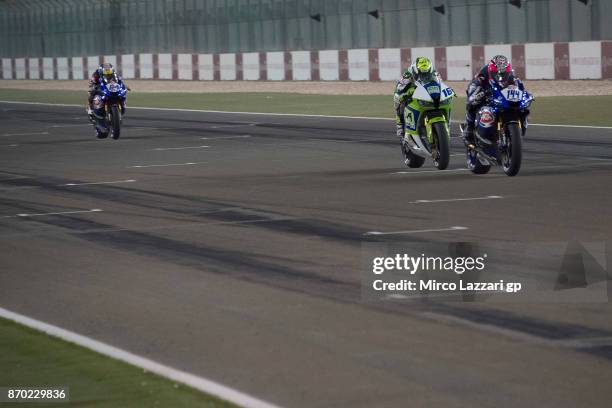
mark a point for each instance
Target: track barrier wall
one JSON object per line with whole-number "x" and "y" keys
{"x": 574, "y": 60}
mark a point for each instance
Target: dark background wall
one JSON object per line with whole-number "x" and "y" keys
{"x": 39, "y": 28}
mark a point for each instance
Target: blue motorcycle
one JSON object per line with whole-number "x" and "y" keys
{"x": 108, "y": 108}
{"x": 501, "y": 125}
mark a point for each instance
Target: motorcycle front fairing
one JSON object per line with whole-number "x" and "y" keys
{"x": 113, "y": 92}
{"x": 430, "y": 104}
{"x": 109, "y": 92}
{"x": 506, "y": 105}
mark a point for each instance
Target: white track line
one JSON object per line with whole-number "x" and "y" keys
{"x": 26, "y": 134}
{"x": 445, "y": 200}
{"x": 427, "y": 171}
{"x": 99, "y": 182}
{"x": 455, "y": 228}
{"x": 226, "y": 137}
{"x": 159, "y": 149}
{"x": 231, "y": 126}
{"x": 53, "y": 213}
{"x": 164, "y": 165}
{"x": 569, "y": 126}
{"x": 194, "y": 381}
{"x": 278, "y": 114}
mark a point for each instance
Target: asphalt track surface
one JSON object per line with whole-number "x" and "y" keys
{"x": 239, "y": 261}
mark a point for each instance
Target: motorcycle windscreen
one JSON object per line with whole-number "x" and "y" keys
{"x": 421, "y": 94}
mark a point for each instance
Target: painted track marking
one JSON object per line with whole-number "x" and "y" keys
{"x": 226, "y": 137}
{"x": 26, "y": 134}
{"x": 194, "y": 381}
{"x": 428, "y": 171}
{"x": 274, "y": 114}
{"x": 53, "y": 213}
{"x": 444, "y": 200}
{"x": 99, "y": 182}
{"x": 455, "y": 228}
{"x": 231, "y": 126}
{"x": 164, "y": 165}
{"x": 159, "y": 149}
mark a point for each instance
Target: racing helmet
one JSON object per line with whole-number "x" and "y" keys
{"x": 107, "y": 71}
{"x": 500, "y": 69}
{"x": 422, "y": 69}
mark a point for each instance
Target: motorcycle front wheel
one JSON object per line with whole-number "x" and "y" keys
{"x": 115, "y": 122}
{"x": 441, "y": 155}
{"x": 511, "y": 156}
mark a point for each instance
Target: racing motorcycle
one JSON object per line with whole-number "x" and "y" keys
{"x": 427, "y": 119}
{"x": 501, "y": 125}
{"x": 108, "y": 108}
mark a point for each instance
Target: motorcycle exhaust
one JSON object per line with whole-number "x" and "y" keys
{"x": 492, "y": 160}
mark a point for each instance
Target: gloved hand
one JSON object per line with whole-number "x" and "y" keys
{"x": 477, "y": 97}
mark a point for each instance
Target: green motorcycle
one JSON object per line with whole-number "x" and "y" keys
{"x": 427, "y": 129}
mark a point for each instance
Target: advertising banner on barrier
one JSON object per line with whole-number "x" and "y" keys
{"x": 532, "y": 61}
{"x": 585, "y": 60}
{"x": 275, "y": 65}
{"x": 250, "y": 66}
{"x": 540, "y": 61}
{"x": 389, "y": 64}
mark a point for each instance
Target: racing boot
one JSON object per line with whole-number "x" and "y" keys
{"x": 467, "y": 133}
{"x": 400, "y": 131}
{"x": 101, "y": 134}
{"x": 405, "y": 149}
{"x": 89, "y": 110}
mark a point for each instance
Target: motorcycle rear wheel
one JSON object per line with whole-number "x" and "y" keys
{"x": 410, "y": 159}
{"x": 474, "y": 164}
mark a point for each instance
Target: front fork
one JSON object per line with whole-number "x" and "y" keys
{"x": 107, "y": 112}
{"x": 429, "y": 127}
{"x": 503, "y": 136}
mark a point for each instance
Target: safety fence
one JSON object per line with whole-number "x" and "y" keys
{"x": 573, "y": 60}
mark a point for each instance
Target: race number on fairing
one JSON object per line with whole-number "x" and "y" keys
{"x": 512, "y": 94}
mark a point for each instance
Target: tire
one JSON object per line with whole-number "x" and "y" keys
{"x": 414, "y": 161}
{"x": 115, "y": 122}
{"x": 512, "y": 157}
{"x": 474, "y": 165}
{"x": 442, "y": 141}
{"x": 410, "y": 159}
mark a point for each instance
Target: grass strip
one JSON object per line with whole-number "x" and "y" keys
{"x": 31, "y": 358}
{"x": 579, "y": 110}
